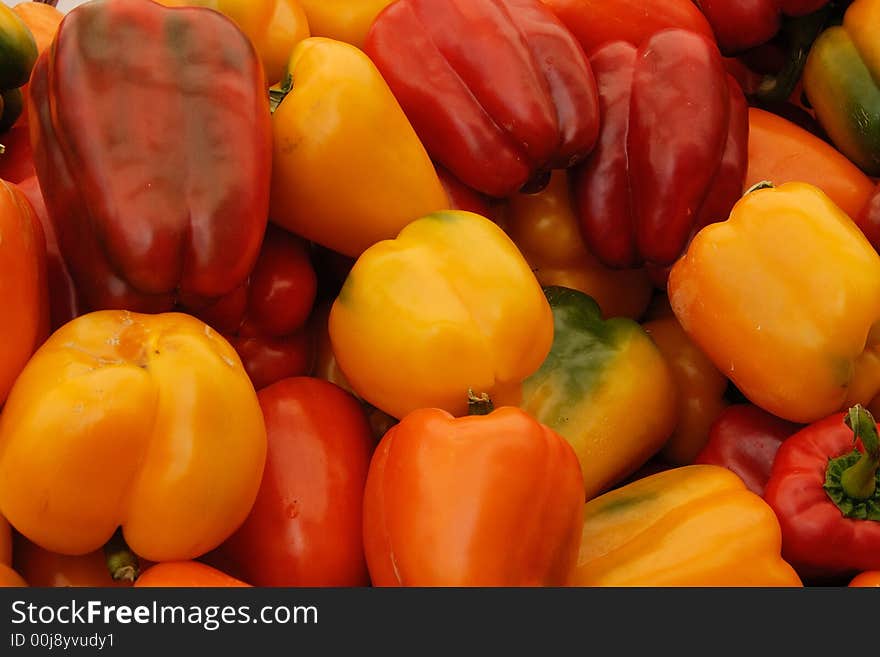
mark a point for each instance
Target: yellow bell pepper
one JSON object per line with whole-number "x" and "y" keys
{"x": 586, "y": 390}
{"x": 145, "y": 422}
{"x": 348, "y": 169}
{"x": 546, "y": 230}
{"x": 692, "y": 526}
{"x": 448, "y": 306}
{"x": 273, "y": 26}
{"x": 784, "y": 298}
{"x": 343, "y": 20}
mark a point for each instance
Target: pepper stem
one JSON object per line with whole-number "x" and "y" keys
{"x": 800, "y": 33}
{"x": 764, "y": 184}
{"x": 2, "y": 149}
{"x": 859, "y": 481}
{"x": 276, "y": 96}
{"x": 121, "y": 561}
{"x": 479, "y": 404}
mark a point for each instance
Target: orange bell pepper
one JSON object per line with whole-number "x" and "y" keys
{"x": 781, "y": 151}
{"x": 348, "y": 169}
{"x": 42, "y": 20}
{"x": 700, "y": 387}
{"x": 186, "y": 574}
{"x": 145, "y": 421}
{"x": 448, "y": 306}
{"x": 693, "y": 526}
{"x": 273, "y": 26}
{"x": 784, "y": 298}
{"x": 9, "y": 577}
{"x": 870, "y": 578}
{"x": 546, "y": 230}
{"x": 488, "y": 500}
{"x": 23, "y": 284}
{"x": 343, "y": 20}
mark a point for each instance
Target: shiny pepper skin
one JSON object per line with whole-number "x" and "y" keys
{"x": 499, "y": 91}
{"x": 672, "y": 152}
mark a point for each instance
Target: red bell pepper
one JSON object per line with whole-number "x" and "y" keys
{"x": 306, "y": 526}
{"x": 672, "y": 152}
{"x": 499, "y": 91}
{"x": 152, "y": 142}
{"x": 745, "y": 439}
{"x": 740, "y": 25}
{"x": 826, "y": 494}
{"x": 265, "y": 318}
{"x": 16, "y": 158}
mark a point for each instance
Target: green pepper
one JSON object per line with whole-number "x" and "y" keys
{"x": 842, "y": 82}
{"x": 18, "y": 50}
{"x": 604, "y": 387}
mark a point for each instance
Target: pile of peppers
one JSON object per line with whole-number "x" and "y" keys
{"x": 440, "y": 293}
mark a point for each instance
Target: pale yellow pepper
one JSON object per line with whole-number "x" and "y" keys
{"x": 448, "y": 306}
{"x": 348, "y": 169}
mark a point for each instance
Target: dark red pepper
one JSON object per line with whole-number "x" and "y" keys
{"x": 266, "y": 318}
{"x": 825, "y": 491}
{"x": 743, "y": 24}
{"x": 152, "y": 143}
{"x": 499, "y": 91}
{"x": 672, "y": 152}
{"x": 745, "y": 439}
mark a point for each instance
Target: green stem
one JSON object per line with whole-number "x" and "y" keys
{"x": 121, "y": 561}
{"x": 800, "y": 32}
{"x": 276, "y": 96}
{"x": 764, "y": 184}
{"x": 479, "y": 404}
{"x": 859, "y": 481}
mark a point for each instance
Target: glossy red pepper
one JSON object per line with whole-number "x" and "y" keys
{"x": 672, "y": 152}
{"x": 745, "y": 439}
{"x": 153, "y": 150}
{"x": 499, "y": 91}
{"x": 825, "y": 490}
{"x": 265, "y": 318}
{"x": 743, "y": 24}
{"x": 16, "y": 160}
{"x": 305, "y": 528}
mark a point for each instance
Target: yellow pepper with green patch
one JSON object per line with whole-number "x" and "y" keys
{"x": 604, "y": 387}
{"x": 693, "y": 526}
{"x": 842, "y": 82}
